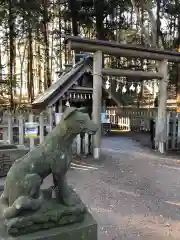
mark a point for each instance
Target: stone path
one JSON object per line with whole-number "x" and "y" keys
{"x": 132, "y": 193}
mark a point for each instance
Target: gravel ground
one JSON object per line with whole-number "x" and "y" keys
{"x": 132, "y": 192}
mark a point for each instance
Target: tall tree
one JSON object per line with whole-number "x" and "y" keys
{"x": 46, "y": 17}
{"x": 172, "y": 8}
{"x": 12, "y": 50}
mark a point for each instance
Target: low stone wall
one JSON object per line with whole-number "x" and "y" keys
{"x": 7, "y": 157}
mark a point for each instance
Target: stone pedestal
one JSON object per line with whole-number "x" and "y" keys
{"x": 86, "y": 230}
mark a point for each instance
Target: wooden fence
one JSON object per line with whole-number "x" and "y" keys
{"x": 173, "y": 131}
{"x": 139, "y": 120}
{"x": 132, "y": 119}
{"x": 12, "y": 127}
{"x": 12, "y": 130}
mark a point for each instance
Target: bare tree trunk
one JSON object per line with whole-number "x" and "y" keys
{"x": 40, "y": 84}
{"x": 60, "y": 31}
{"x": 73, "y": 7}
{"x": 178, "y": 67}
{"x": 144, "y": 30}
{"x": 99, "y": 19}
{"x": 39, "y": 69}
{"x": 74, "y": 13}
{"x": 30, "y": 65}
{"x": 11, "y": 20}
{"x": 22, "y": 58}
{"x": 47, "y": 76}
{"x": 52, "y": 42}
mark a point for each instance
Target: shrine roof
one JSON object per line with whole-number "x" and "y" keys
{"x": 65, "y": 82}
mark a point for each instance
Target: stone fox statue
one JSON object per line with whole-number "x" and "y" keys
{"x": 23, "y": 181}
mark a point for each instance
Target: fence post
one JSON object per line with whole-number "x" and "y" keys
{"x": 41, "y": 127}
{"x": 4, "y": 123}
{"x": 10, "y": 128}
{"x": 129, "y": 124}
{"x": 178, "y": 134}
{"x": 31, "y": 139}
{"x": 21, "y": 129}
{"x": 174, "y": 130}
{"x": 50, "y": 119}
{"x": 168, "y": 122}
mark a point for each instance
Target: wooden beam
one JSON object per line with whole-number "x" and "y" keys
{"x": 120, "y": 45}
{"x": 124, "y": 50}
{"x": 81, "y": 89}
{"x": 131, "y": 73}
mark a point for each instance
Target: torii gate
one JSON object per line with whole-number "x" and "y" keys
{"x": 99, "y": 47}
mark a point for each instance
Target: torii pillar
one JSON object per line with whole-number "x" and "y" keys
{"x": 161, "y": 124}
{"x": 97, "y": 101}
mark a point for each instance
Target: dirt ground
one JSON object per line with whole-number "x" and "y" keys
{"x": 132, "y": 192}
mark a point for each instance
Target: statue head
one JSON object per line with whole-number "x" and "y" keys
{"x": 77, "y": 121}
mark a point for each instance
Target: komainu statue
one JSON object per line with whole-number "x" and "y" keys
{"x": 27, "y": 208}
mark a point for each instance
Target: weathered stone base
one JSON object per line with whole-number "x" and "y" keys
{"x": 86, "y": 230}
{"x": 50, "y": 215}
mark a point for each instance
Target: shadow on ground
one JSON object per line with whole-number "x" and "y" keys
{"x": 131, "y": 191}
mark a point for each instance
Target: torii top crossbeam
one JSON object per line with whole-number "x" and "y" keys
{"x": 120, "y": 49}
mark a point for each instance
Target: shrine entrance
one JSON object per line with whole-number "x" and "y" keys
{"x": 99, "y": 48}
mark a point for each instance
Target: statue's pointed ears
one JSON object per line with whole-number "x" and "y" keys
{"x": 68, "y": 112}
